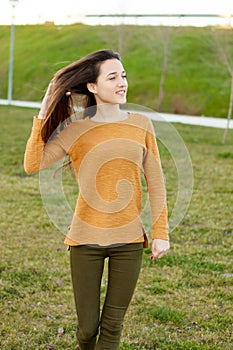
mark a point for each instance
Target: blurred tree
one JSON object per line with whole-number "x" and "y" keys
{"x": 224, "y": 43}
{"x": 118, "y": 37}
{"x": 165, "y": 36}
{"x": 161, "y": 49}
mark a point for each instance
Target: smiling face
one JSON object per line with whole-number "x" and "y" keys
{"x": 111, "y": 86}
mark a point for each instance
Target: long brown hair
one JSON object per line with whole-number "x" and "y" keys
{"x": 69, "y": 80}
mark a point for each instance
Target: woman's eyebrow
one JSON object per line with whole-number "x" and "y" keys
{"x": 114, "y": 73}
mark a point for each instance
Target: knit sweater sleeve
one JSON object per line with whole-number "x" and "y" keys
{"x": 39, "y": 155}
{"x": 155, "y": 185}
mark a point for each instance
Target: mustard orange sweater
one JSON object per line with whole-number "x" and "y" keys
{"x": 109, "y": 159}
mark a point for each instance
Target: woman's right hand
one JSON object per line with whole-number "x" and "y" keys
{"x": 45, "y": 102}
{"x": 160, "y": 247}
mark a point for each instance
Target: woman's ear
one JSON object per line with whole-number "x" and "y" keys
{"x": 91, "y": 87}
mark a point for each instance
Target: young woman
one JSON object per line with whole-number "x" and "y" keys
{"x": 109, "y": 149}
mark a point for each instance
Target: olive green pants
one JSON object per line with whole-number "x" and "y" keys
{"x": 102, "y": 330}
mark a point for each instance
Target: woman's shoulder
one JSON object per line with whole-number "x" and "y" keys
{"x": 140, "y": 119}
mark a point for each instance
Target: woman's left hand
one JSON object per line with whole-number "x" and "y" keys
{"x": 45, "y": 102}
{"x": 160, "y": 247}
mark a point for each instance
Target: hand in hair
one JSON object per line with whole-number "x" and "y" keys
{"x": 45, "y": 102}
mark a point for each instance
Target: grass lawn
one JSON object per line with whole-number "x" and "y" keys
{"x": 183, "y": 301}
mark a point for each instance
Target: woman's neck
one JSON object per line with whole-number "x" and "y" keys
{"x": 108, "y": 113}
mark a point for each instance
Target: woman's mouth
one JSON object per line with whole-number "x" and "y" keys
{"x": 121, "y": 92}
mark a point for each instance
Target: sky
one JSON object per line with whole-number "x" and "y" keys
{"x": 73, "y": 11}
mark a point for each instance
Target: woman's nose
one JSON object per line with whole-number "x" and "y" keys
{"x": 122, "y": 82}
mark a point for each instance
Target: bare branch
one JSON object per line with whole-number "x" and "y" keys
{"x": 161, "y": 37}
{"x": 224, "y": 47}
{"x": 224, "y": 54}
{"x": 229, "y": 114}
{"x": 166, "y": 35}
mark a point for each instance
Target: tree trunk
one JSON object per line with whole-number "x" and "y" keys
{"x": 163, "y": 74}
{"x": 165, "y": 36}
{"x": 229, "y": 112}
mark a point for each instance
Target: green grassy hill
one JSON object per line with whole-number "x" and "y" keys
{"x": 196, "y": 82}
{"x": 182, "y": 301}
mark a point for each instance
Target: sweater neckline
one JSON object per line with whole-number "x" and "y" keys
{"x": 108, "y": 122}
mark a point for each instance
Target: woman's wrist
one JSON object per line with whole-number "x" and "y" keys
{"x": 41, "y": 116}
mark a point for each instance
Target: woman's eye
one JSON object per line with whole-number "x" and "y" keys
{"x": 113, "y": 78}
